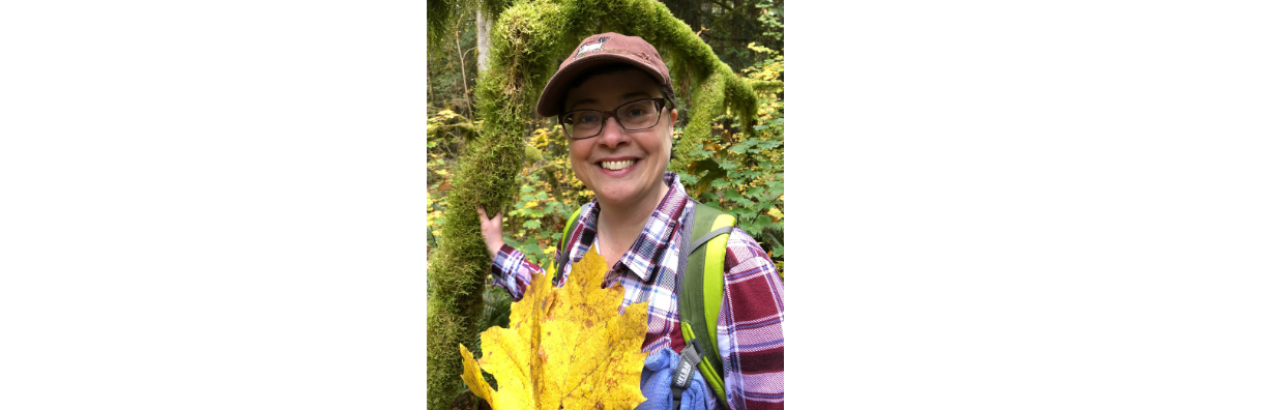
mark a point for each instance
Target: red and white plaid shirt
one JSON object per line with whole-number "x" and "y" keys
{"x": 750, "y": 323}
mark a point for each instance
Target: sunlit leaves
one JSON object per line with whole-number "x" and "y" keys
{"x": 565, "y": 347}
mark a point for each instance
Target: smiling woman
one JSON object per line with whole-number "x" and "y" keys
{"x": 614, "y": 100}
{"x": 624, "y": 160}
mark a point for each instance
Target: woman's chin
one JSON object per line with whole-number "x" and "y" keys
{"x": 625, "y": 196}
{"x": 617, "y": 197}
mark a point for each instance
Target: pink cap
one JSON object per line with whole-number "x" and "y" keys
{"x": 600, "y": 49}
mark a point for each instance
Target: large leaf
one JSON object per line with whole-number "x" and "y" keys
{"x": 566, "y": 347}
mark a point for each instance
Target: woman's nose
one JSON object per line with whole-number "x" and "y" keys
{"x": 613, "y": 135}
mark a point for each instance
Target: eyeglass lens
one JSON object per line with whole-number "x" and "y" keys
{"x": 636, "y": 115}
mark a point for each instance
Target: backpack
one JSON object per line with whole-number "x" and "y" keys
{"x": 699, "y": 292}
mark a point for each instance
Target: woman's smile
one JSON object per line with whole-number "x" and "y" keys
{"x": 617, "y": 164}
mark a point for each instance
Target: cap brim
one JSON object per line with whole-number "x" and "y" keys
{"x": 552, "y": 99}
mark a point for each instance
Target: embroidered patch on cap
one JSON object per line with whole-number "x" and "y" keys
{"x": 588, "y": 48}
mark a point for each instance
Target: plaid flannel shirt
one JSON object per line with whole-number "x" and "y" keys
{"x": 750, "y": 323}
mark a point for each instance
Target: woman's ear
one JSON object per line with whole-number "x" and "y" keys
{"x": 672, "y": 134}
{"x": 674, "y": 115}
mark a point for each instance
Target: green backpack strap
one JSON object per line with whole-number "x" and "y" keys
{"x": 702, "y": 288}
{"x": 564, "y": 250}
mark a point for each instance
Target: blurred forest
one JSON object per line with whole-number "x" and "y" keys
{"x": 739, "y": 169}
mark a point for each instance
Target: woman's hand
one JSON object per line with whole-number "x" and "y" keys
{"x": 491, "y": 230}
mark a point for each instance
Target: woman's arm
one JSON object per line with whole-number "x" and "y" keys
{"x": 750, "y": 326}
{"x": 510, "y": 269}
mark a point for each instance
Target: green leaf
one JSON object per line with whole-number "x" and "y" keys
{"x": 769, "y": 144}
{"x": 700, "y": 153}
{"x": 685, "y": 178}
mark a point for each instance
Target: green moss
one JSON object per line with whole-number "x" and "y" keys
{"x": 526, "y": 42}
{"x": 466, "y": 129}
{"x": 766, "y": 85}
{"x": 705, "y": 103}
{"x": 493, "y": 8}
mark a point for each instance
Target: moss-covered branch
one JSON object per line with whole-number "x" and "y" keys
{"x": 766, "y": 85}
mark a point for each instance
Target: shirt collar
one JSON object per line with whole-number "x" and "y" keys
{"x": 642, "y": 258}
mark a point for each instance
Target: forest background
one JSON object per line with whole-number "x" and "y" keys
{"x": 739, "y": 170}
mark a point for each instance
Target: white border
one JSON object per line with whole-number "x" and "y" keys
{"x": 212, "y": 205}
{"x": 1029, "y": 205}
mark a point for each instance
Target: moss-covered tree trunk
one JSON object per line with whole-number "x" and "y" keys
{"x": 526, "y": 44}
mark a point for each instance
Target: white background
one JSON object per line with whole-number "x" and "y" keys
{"x": 1031, "y": 205}
{"x": 992, "y": 204}
{"x": 212, "y": 205}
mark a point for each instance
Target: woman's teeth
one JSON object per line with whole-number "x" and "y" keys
{"x": 617, "y": 165}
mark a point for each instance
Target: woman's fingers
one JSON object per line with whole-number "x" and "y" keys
{"x": 491, "y": 230}
{"x": 484, "y": 216}
{"x": 490, "y": 226}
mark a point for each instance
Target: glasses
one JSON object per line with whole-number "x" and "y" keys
{"x": 632, "y": 116}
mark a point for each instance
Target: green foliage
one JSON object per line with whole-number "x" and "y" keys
{"x": 727, "y": 25}
{"x": 548, "y": 194}
{"x": 771, "y": 20}
{"x": 742, "y": 172}
{"x": 451, "y": 68}
{"x": 442, "y": 16}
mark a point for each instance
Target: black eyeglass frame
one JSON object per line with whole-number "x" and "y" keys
{"x": 661, "y": 102}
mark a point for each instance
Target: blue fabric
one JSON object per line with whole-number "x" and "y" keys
{"x": 655, "y": 383}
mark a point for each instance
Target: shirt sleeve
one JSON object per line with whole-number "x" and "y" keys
{"x": 749, "y": 330}
{"x": 511, "y": 271}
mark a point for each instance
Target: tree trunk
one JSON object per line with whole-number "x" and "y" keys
{"x": 482, "y": 41}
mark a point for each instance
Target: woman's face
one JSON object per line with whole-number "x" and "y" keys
{"x": 623, "y": 168}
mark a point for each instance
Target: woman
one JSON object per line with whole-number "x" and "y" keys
{"x": 614, "y": 100}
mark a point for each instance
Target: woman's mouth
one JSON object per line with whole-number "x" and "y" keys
{"x": 617, "y": 165}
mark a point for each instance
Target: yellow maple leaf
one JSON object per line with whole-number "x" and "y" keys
{"x": 775, "y": 213}
{"x": 566, "y": 348}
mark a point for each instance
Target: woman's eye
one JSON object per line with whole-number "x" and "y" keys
{"x": 635, "y": 110}
{"x": 588, "y": 118}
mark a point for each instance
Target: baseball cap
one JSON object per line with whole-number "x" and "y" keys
{"x": 594, "y": 51}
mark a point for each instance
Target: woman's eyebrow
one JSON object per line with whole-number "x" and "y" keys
{"x": 636, "y": 94}
{"x": 580, "y": 102}
{"x": 624, "y": 97}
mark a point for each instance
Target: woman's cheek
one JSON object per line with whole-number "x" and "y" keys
{"x": 579, "y": 172}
